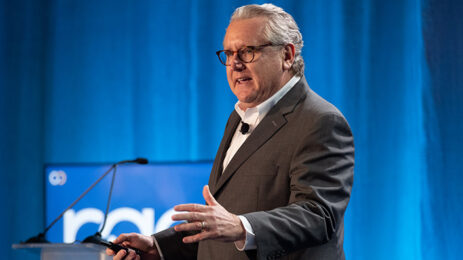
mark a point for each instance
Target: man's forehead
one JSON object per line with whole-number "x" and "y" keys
{"x": 247, "y": 31}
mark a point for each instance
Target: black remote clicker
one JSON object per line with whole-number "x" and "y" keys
{"x": 116, "y": 247}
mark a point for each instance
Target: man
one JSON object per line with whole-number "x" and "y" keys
{"x": 283, "y": 174}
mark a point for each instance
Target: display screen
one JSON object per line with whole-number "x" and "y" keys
{"x": 142, "y": 199}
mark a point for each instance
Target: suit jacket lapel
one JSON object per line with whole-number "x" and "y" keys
{"x": 272, "y": 122}
{"x": 217, "y": 168}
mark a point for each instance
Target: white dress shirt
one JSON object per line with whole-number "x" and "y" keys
{"x": 252, "y": 116}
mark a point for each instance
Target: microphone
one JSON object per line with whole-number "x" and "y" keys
{"x": 244, "y": 128}
{"x": 40, "y": 238}
{"x": 137, "y": 161}
{"x": 141, "y": 161}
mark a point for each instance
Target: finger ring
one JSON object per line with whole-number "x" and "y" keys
{"x": 203, "y": 225}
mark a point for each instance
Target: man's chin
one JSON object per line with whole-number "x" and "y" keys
{"x": 247, "y": 103}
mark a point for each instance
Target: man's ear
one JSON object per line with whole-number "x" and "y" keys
{"x": 288, "y": 56}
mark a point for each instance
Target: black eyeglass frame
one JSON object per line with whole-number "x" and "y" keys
{"x": 245, "y": 48}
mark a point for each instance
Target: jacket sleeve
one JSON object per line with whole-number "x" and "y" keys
{"x": 172, "y": 247}
{"x": 321, "y": 178}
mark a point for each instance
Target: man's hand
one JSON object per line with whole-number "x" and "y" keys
{"x": 144, "y": 243}
{"x": 212, "y": 220}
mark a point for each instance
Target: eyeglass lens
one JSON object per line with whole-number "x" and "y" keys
{"x": 245, "y": 55}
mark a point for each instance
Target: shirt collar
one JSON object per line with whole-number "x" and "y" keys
{"x": 254, "y": 115}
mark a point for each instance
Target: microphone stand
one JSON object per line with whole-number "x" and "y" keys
{"x": 96, "y": 238}
{"x": 40, "y": 238}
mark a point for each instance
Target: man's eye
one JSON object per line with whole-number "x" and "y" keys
{"x": 247, "y": 50}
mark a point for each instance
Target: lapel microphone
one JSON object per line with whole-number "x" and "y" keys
{"x": 244, "y": 128}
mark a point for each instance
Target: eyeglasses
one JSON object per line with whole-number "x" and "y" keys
{"x": 245, "y": 54}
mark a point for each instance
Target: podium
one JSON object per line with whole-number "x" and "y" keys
{"x": 59, "y": 251}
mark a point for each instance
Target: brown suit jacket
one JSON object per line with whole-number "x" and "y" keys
{"x": 291, "y": 179}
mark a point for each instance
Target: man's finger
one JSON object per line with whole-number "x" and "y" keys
{"x": 110, "y": 252}
{"x": 196, "y": 238}
{"x": 131, "y": 255}
{"x": 190, "y": 207}
{"x": 121, "y": 238}
{"x": 120, "y": 255}
{"x": 208, "y": 196}
{"x": 192, "y": 216}
{"x": 189, "y": 226}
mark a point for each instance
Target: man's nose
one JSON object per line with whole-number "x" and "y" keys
{"x": 236, "y": 63}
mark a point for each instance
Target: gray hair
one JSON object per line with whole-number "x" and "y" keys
{"x": 280, "y": 29}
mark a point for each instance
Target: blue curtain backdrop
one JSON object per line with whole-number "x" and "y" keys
{"x": 101, "y": 81}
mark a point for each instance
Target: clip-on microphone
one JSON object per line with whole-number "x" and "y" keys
{"x": 244, "y": 128}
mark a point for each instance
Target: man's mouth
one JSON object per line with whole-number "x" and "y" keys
{"x": 242, "y": 80}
